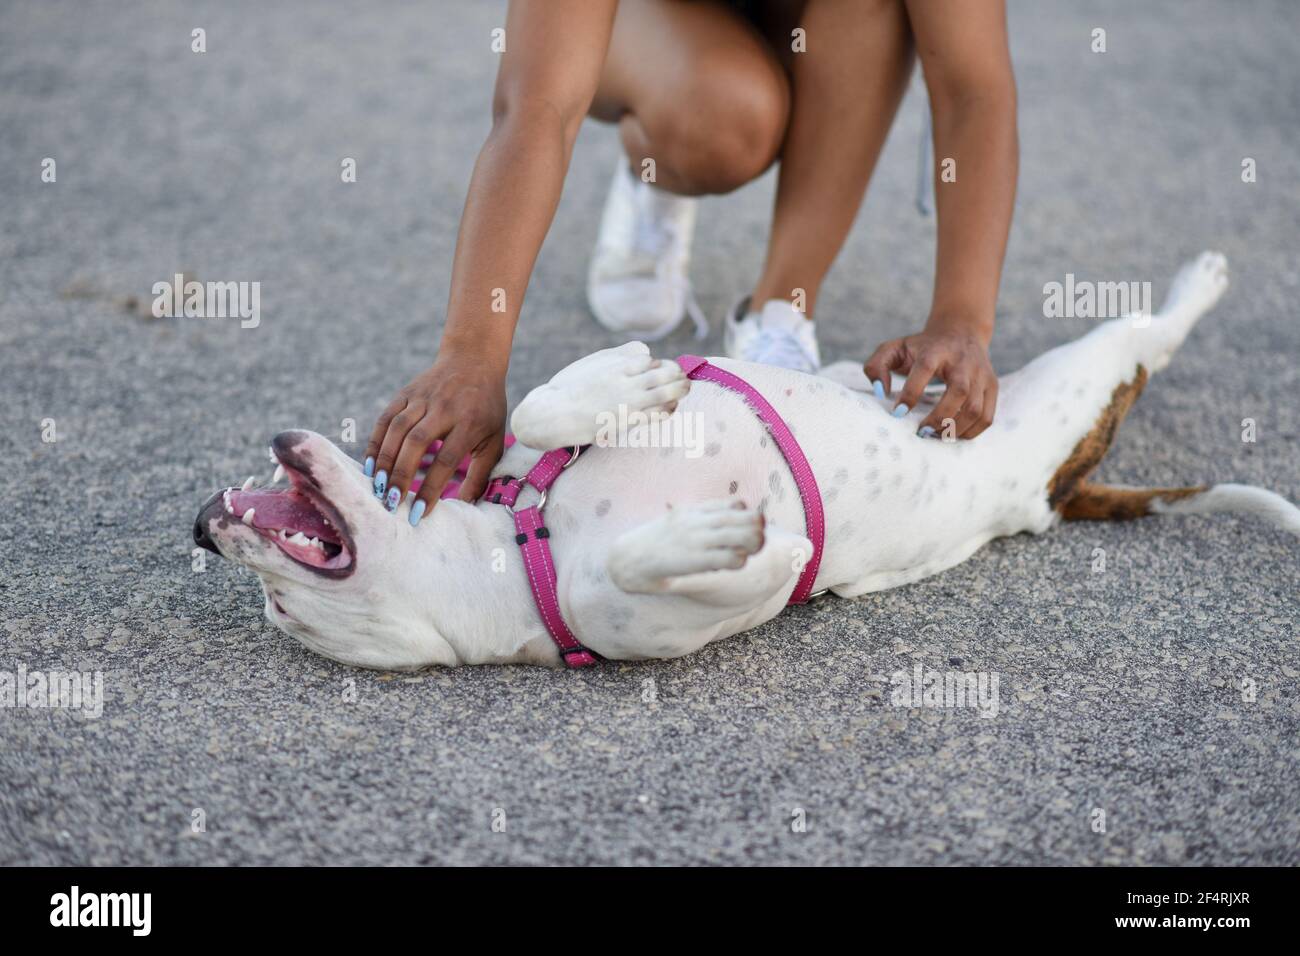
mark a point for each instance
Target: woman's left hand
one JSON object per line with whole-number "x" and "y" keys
{"x": 960, "y": 360}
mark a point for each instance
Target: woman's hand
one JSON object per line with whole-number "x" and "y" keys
{"x": 459, "y": 400}
{"x": 960, "y": 359}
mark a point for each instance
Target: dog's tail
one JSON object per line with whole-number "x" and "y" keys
{"x": 1120, "y": 503}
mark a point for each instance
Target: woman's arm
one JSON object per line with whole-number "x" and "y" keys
{"x": 967, "y": 65}
{"x": 549, "y": 72}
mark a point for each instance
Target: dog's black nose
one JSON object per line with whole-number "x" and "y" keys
{"x": 201, "y": 536}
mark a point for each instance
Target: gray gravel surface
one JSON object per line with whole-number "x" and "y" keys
{"x": 1120, "y": 691}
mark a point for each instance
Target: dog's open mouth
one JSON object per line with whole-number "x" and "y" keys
{"x": 299, "y": 520}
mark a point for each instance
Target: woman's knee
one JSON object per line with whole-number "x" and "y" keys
{"x": 724, "y": 127}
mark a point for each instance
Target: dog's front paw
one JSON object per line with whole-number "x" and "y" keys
{"x": 716, "y": 535}
{"x": 712, "y": 536}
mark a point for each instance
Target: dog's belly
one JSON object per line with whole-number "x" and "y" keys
{"x": 897, "y": 507}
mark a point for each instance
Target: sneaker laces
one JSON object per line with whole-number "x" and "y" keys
{"x": 654, "y": 252}
{"x": 779, "y": 347}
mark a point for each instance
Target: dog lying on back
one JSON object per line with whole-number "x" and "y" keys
{"x": 660, "y": 550}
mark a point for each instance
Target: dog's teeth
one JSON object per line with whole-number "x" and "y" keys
{"x": 279, "y": 474}
{"x": 248, "y": 483}
{"x": 315, "y": 543}
{"x": 284, "y": 535}
{"x": 271, "y": 454}
{"x": 298, "y": 538}
{"x": 248, "y": 517}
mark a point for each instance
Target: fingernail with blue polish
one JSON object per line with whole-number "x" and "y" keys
{"x": 417, "y": 512}
{"x": 381, "y": 482}
{"x": 368, "y": 468}
{"x": 878, "y": 389}
{"x": 394, "y": 496}
{"x": 900, "y": 410}
{"x": 926, "y": 431}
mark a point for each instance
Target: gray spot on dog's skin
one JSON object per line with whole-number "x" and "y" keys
{"x": 594, "y": 571}
{"x": 870, "y": 449}
{"x": 872, "y": 475}
{"x": 897, "y": 480}
{"x": 841, "y": 476}
{"x": 845, "y": 529}
{"x": 602, "y": 507}
{"x": 774, "y": 481}
{"x": 762, "y": 440}
{"x": 731, "y": 488}
{"x": 1011, "y": 484}
{"x": 895, "y": 453}
{"x": 617, "y": 618}
{"x": 832, "y": 494}
{"x": 883, "y": 432}
{"x": 712, "y": 448}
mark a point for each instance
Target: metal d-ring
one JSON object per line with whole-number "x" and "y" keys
{"x": 577, "y": 450}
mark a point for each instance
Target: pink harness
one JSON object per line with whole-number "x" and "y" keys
{"x": 531, "y": 533}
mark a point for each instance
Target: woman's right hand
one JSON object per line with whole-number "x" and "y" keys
{"x": 459, "y": 400}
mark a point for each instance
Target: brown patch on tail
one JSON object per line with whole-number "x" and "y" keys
{"x": 1071, "y": 477}
{"x": 1104, "y": 503}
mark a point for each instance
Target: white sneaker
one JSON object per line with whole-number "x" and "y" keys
{"x": 638, "y": 282}
{"x": 778, "y": 335}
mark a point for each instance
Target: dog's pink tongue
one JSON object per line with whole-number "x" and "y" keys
{"x": 283, "y": 509}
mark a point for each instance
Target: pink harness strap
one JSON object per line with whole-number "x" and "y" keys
{"x": 814, "y": 518}
{"x": 533, "y": 537}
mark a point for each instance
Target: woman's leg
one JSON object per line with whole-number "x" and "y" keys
{"x": 846, "y": 89}
{"x": 695, "y": 87}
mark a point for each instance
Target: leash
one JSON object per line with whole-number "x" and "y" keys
{"x": 533, "y": 537}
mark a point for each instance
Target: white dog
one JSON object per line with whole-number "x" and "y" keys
{"x": 659, "y": 550}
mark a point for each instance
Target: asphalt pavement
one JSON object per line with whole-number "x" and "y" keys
{"x": 1148, "y": 713}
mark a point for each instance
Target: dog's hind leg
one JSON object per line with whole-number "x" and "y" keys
{"x": 1195, "y": 290}
{"x": 585, "y": 397}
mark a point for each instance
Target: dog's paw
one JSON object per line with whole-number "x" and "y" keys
{"x": 711, "y": 536}
{"x": 627, "y": 377}
{"x": 716, "y": 535}
{"x": 1201, "y": 282}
